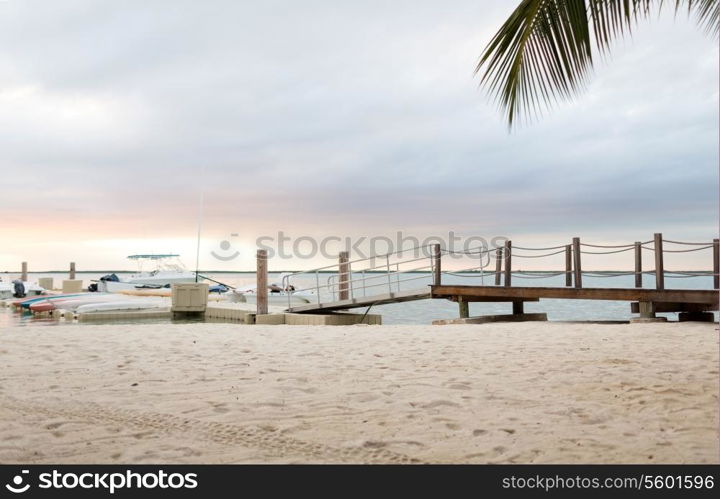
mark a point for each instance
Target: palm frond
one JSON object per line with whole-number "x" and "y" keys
{"x": 543, "y": 52}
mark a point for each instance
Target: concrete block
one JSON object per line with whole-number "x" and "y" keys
{"x": 270, "y": 319}
{"x": 72, "y": 286}
{"x": 190, "y": 297}
{"x": 338, "y": 319}
{"x": 46, "y": 282}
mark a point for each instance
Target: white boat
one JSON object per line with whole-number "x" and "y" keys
{"x": 7, "y": 289}
{"x": 168, "y": 270}
{"x": 118, "y": 305}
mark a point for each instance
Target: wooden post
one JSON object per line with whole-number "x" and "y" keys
{"x": 716, "y": 263}
{"x": 344, "y": 275}
{"x": 464, "y": 308}
{"x": 23, "y": 274}
{"x": 638, "y": 264}
{"x": 498, "y": 265}
{"x": 262, "y": 283}
{"x": 568, "y": 265}
{"x": 659, "y": 268}
{"x": 72, "y": 271}
{"x": 508, "y": 263}
{"x": 437, "y": 265}
{"x": 576, "y": 261}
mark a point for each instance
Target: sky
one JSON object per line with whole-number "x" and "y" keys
{"x": 334, "y": 118}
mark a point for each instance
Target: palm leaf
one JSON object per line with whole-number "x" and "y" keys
{"x": 543, "y": 52}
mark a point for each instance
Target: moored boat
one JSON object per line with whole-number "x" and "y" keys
{"x": 168, "y": 271}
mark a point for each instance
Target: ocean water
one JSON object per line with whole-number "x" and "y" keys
{"x": 425, "y": 311}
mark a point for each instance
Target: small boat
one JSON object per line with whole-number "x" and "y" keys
{"x": 168, "y": 270}
{"x": 7, "y": 289}
{"x": 121, "y": 305}
{"x": 69, "y": 302}
{"x": 26, "y": 302}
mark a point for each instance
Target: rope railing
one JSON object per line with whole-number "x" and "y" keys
{"x": 688, "y": 250}
{"x": 607, "y": 252}
{"x": 540, "y": 249}
{"x": 611, "y": 245}
{"x": 391, "y": 272}
{"x": 685, "y": 243}
{"x": 538, "y": 256}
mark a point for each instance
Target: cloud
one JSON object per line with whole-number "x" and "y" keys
{"x": 336, "y": 116}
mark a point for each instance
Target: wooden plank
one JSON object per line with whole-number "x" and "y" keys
{"x": 638, "y": 265}
{"x": 498, "y": 265}
{"x": 618, "y": 294}
{"x": 508, "y": 263}
{"x": 72, "y": 271}
{"x": 344, "y": 275}
{"x": 490, "y": 299}
{"x": 24, "y": 272}
{"x": 411, "y": 295}
{"x": 262, "y": 283}
{"x": 568, "y": 265}
{"x": 716, "y": 263}
{"x": 659, "y": 267}
{"x": 576, "y": 261}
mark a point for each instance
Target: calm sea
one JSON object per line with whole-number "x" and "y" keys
{"x": 423, "y": 312}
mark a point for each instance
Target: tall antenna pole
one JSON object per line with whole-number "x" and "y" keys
{"x": 200, "y": 219}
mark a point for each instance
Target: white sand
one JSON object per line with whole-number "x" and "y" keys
{"x": 503, "y": 393}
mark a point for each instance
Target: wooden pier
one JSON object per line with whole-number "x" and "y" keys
{"x": 385, "y": 279}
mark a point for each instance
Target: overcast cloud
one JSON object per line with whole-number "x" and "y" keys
{"x": 331, "y": 117}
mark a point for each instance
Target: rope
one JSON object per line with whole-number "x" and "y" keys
{"x": 538, "y": 249}
{"x": 686, "y": 243}
{"x": 607, "y": 245}
{"x": 479, "y": 274}
{"x": 686, "y": 250}
{"x": 468, "y": 252}
{"x": 521, "y": 276}
{"x": 542, "y": 274}
{"x": 606, "y": 252}
{"x": 618, "y": 274}
{"x": 692, "y": 274}
{"x": 537, "y": 256}
{"x": 680, "y": 276}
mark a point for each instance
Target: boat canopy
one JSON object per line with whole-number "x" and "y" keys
{"x": 151, "y": 257}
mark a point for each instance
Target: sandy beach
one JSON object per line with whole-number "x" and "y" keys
{"x": 219, "y": 393}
